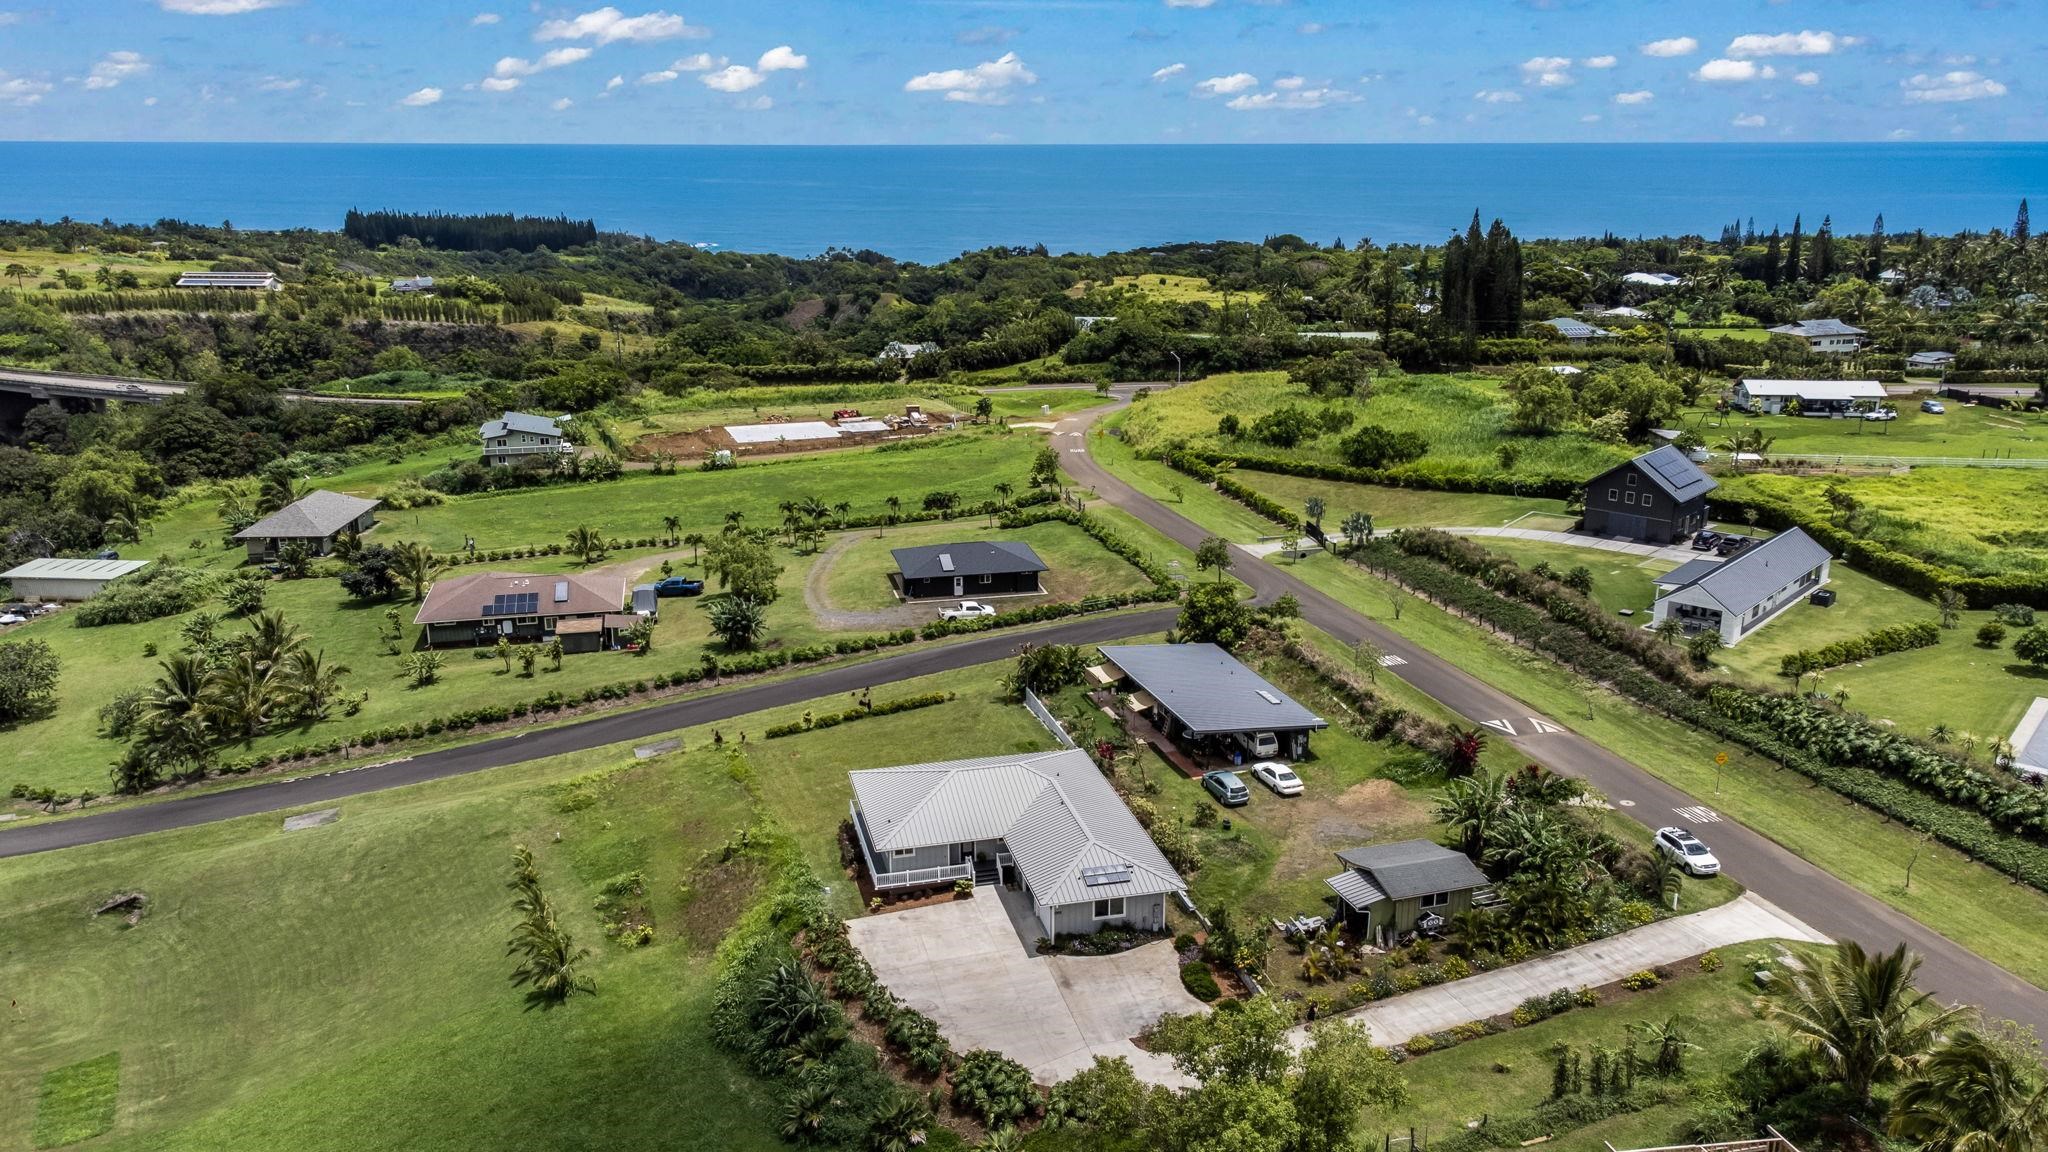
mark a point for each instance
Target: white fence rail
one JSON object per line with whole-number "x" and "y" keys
{"x": 917, "y": 877}
{"x": 1825, "y": 460}
{"x": 1045, "y": 717}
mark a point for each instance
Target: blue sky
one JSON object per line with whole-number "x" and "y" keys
{"x": 1026, "y": 71}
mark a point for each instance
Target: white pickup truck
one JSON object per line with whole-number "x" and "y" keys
{"x": 967, "y": 610}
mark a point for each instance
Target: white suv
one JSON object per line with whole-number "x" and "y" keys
{"x": 1687, "y": 852}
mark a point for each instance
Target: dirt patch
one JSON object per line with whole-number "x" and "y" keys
{"x": 1360, "y": 814}
{"x": 702, "y": 442}
{"x": 718, "y": 891}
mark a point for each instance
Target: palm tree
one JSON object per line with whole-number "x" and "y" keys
{"x": 1663, "y": 879}
{"x": 1972, "y": 1095}
{"x": 671, "y": 525}
{"x": 240, "y": 694}
{"x": 416, "y": 564}
{"x": 1312, "y": 510}
{"x": 900, "y": 1126}
{"x": 841, "y": 511}
{"x": 895, "y": 504}
{"x": 16, "y": 273}
{"x": 1667, "y": 1045}
{"x": 1004, "y": 489}
{"x": 695, "y": 540}
{"x": 1470, "y": 805}
{"x": 271, "y": 640}
{"x": 737, "y": 620}
{"x": 176, "y": 714}
{"x": 310, "y": 683}
{"x": 1862, "y": 1018}
{"x": 551, "y": 958}
{"x": 586, "y": 542}
{"x": 805, "y": 1111}
{"x": 1357, "y": 530}
{"x": 789, "y": 1005}
{"x": 788, "y": 508}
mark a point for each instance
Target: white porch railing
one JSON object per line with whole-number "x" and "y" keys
{"x": 906, "y": 879}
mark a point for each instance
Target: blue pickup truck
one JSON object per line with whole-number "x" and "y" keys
{"x": 678, "y": 586}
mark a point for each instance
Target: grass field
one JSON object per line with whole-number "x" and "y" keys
{"x": 858, "y": 577}
{"x": 345, "y": 987}
{"x": 1967, "y": 430}
{"x": 1028, "y": 405}
{"x": 1172, "y": 289}
{"x": 1983, "y": 521}
{"x": 1464, "y": 419}
{"x": 1970, "y": 903}
{"x": 1619, "y": 579}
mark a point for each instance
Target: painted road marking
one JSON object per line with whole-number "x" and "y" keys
{"x": 1699, "y": 814}
{"x": 1391, "y": 661}
{"x": 1503, "y": 725}
{"x": 1542, "y": 725}
{"x": 1626, "y": 803}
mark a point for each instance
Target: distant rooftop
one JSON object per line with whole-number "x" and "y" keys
{"x": 55, "y": 569}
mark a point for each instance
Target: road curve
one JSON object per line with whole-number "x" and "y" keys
{"x": 532, "y": 744}
{"x": 1760, "y": 864}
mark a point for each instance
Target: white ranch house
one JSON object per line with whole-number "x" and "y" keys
{"x": 1815, "y": 397}
{"x": 1824, "y": 335}
{"x": 1737, "y": 596}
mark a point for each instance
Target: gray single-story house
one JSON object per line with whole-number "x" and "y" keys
{"x": 1658, "y": 497}
{"x": 1048, "y": 821}
{"x": 56, "y": 579}
{"x": 1931, "y": 361}
{"x": 1200, "y": 693}
{"x": 1386, "y": 890}
{"x": 1737, "y": 596}
{"x": 516, "y": 435}
{"x": 315, "y": 521}
{"x": 1824, "y": 335}
{"x": 971, "y": 568}
{"x": 480, "y": 608}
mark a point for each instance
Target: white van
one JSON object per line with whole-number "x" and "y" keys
{"x": 1259, "y": 745}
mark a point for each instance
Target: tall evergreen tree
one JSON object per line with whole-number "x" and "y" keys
{"x": 1502, "y": 311}
{"x": 1820, "y": 262}
{"x": 1873, "y": 249}
{"x": 1773, "y": 265}
{"x": 2022, "y": 230}
{"x": 1794, "y": 250}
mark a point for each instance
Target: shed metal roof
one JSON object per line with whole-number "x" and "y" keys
{"x": 1354, "y": 889}
{"x": 968, "y": 558}
{"x": 1669, "y": 469}
{"x": 1208, "y": 690}
{"x": 320, "y": 514}
{"x": 1062, "y": 821}
{"x": 57, "y": 569}
{"x": 1760, "y": 571}
{"x": 1829, "y": 327}
{"x": 521, "y": 422}
{"x": 1408, "y": 868}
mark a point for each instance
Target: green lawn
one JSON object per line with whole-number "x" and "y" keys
{"x": 345, "y": 986}
{"x": 77, "y": 1101}
{"x": 1030, "y": 405}
{"x": 1983, "y": 521}
{"x": 1619, "y": 579}
{"x": 858, "y": 579}
{"x": 1401, "y": 507}
{"x": 1463, "y": 417}
{"x": 1964, "y": 430}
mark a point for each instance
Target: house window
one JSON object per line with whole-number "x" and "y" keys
{"x": 1631, "y": 479}
{"x": 1646, "y": 499}
{"x": 1110, "y": 909}
{"x": 1630, "y": 498}
{"x": 1436, "y": 900}
{"x": 987, "y": 578}
{"x": 525, "y": 620}
{"x": 899, "y": 853}
{"x": 1613, "y": 494}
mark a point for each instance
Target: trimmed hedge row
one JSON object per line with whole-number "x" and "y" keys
{"x": 1881, "y": 642}
{"x": 1553, "y": 487}
{"x": 834, "y": 719}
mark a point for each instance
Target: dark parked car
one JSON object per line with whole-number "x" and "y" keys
{"x": 1704, "y": 540}
{"x": 1730, "y": 545}
{"x": 678, "y": 586}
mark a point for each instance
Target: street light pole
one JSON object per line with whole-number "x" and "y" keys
{"x": 1176, "y": 366}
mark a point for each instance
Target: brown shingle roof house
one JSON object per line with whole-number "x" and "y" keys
{"x": 482, "y": 607}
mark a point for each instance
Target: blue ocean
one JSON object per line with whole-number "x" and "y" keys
{"x": 931, "y": 203}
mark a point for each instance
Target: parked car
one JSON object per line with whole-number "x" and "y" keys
{"x": 678, "y": 586}
{"x": 1687, "y": 852}
{"x": 1704, "y": 540}
{"x": 11, "y": 618}
{"x": 1227, "y": 788}
{"x": 1260, "y": 745}
{"x": 1730, "y": 545}
{"x": 967, "y": 610}
{"x": 107, "y": 554}
{"x": 1882, "y": 414}
{"x": 1933, "y": 406}
{"x": 1279, "y": 777}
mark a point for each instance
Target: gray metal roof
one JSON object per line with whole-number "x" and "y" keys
{"x": 1055, "y": 811}
{"x": 1930, "y": 357}
{"x": 1208, "y": 690}
{"x": 320, "y": 514}
{"x": 1669, "y": 469}
{"x": 1686, "y": 573}
{"x": 520, "y": 422}
{"x": 968, "y": 558}
{"x": 1354, "y": 889}
{"x": 55, "y": 569}
{"x": 1407, "y": 868}
{"x": 1819, "y": 328}
{"x": 1576, "y": 329}
{"x": 1759, "y": 571}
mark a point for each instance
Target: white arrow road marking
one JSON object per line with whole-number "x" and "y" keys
{"x": 1542, "y": 725}
{"x": 1503, "y": 725}
{"x": 1391, "y": 661}
{"x": 1699, "y": 814}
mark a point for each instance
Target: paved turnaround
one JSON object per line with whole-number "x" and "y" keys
{"x": 1760, "y": 864}
{"x": 533, "y": 743}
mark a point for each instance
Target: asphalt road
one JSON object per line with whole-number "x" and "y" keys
{"x": 1763, "y": 866}
{"x": 135, "y": 389}
{"x": 532, "y": 744}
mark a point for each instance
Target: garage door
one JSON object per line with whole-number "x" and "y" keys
{"x": 1621, "y": 524}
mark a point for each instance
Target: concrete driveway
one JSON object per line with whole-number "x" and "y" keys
{"x": 966, "y": 964}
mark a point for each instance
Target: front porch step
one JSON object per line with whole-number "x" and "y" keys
{"x": 986, "y": 872}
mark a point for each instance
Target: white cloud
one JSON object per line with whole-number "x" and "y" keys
{"x": 1724, "y": 71}
{"x": 701, "y": 62}
{"x": 1313, "y": 28}
{"x": 1590, "y": 118}
{"x": 1752, "y": 120}
{"x": 1900, "y": 134}
{"x": 1639, "y": 96}
{"x": 216, "y": 7}
{"x": 482, "y": 19}
{"x": 1225, "y": 85}
{"x": 508, "y": 66}
{"x": 1168, "y": 72}
{"x": 1290, "y": 83}
{"x": 986, "y": 83}
{"x": 1497, "y": 96}
{"x": 1676, "y": 46}
{"x": 608, "y": 24}
{"x": 149, "y": 101}
{"x": 1599, "y": 61}
{"x": 1189, "y": 3}
{"x": 115, "y": 67}
{"x": 1548, "y": 71}
{"x": 279, "y": 84}
{"x": 21, "y": 91}
{"x": 562, "y": 105}
{"x": 1290, "y": 99}
{"x": 661, "y": 77}
{"x": 614, "y": 82}
{"x": 1950, "y": 88}
{"x": 422, "y": 98}
{"x": 1788, "y": 44}
{"x": 1808, "y": 79}
{"x": 500, "y": 83}
{"x": 733, "y": 78}
{"x": 782, "y": 59}
{"x": 760, "y": 103}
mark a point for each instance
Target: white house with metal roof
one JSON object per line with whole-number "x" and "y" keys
{"x": 315, "y": 521}
{"x": 1737, "y": 596}
{"x": 1824, "y": 335}
{"x": 1577, "y": 331}
{"x": 1049, "y": 822}
{"x": 517, "y": 435}
{"x": 1815, "y": 397}
{"x": 1653, "y": 279}
{"x": 237, "y": 281}
{"x": 1199, "y": 693}
{"x": 53, "y": 579}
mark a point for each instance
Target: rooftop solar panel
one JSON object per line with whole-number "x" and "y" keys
{"x": 1101, "y": 875}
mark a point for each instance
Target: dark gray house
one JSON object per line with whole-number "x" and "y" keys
{"x": 1657, "y": 498}
{"x": 972, "y": 568}
{"x": 315, "y": 521}
{"x": 1389, "y": 889}
{"x": 1202, "y": 696}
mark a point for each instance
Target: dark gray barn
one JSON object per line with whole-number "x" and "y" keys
{"x": 1657, "y": 498}
{"x": 970, "y": 569}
